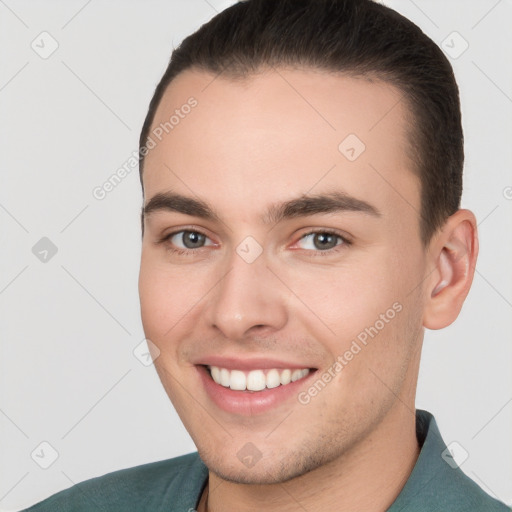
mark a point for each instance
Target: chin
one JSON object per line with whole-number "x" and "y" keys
{"x": 276, "y": 469}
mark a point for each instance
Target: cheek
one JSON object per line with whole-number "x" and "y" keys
{"x": 153, "y": 300}
{"x": 365, "y": 315}
{"x": 170, "y": 296}
{"x": 344, "y": 300}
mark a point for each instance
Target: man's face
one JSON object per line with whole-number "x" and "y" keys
{"x": 259, "y": 295}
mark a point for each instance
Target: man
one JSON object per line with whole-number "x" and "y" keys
{"x": 301, "y": 164}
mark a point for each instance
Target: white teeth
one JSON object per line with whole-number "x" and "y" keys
{"x": 238, "y": 381}
{"x": 286, "y": 377}
{"x": 215, "y": 373}
{"x": 273, "y": 379}
{"x": 296, "y": 375}
{"x": 224, "y": 378}
{"x": 255, "y": 380}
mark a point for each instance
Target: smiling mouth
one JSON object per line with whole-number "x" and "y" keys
{"x": 256, "y": 380}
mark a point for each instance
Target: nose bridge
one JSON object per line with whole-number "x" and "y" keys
{"x": 247, "y": 296}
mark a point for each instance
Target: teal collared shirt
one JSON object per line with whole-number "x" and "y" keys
{"x": 436, "y": 484}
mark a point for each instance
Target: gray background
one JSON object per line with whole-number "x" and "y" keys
{"x": 70, "y": 324}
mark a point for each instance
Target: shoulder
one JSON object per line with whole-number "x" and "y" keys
{"x": 153, "y": 486}
{"x": 437, "y": 482}
{"x": 466, "y": 494}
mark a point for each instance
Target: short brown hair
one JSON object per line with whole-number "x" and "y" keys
{"x": 355, "y": 37}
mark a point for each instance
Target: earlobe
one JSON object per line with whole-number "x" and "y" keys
{"x": 454, "y": 256}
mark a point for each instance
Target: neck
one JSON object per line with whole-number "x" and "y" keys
{"x": 368, "y": 478}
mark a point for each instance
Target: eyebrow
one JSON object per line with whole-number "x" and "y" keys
{"x": 303, "y": 206}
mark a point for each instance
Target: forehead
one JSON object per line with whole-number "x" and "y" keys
{"x": 280, "y": 133}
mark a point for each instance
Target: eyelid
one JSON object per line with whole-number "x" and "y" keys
{"x": 346, "y": 240}
{"x": 167, "y": 236}
{"x": 208, "y": 241}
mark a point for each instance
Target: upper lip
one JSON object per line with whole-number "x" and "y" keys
{"x": 253, "y": 363}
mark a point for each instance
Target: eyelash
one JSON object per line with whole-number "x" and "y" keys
{"x": 314, "y": 253}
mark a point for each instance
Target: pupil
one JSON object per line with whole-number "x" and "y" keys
{"x": 325, "y": 239}
{"x": 193, "y": 239}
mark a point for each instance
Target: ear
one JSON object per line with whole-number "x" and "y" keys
{"x": 452, "y": 258}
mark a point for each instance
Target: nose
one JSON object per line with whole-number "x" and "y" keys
{"x": 248, "y": 297}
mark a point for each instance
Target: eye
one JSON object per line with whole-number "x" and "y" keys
{"x": 187, "y": 240}
{"x": 323, "y": 241}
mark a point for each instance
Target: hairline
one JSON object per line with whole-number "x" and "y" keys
{"x": 245, "y": 75}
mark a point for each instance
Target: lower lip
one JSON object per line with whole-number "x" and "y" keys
{"x": 249, "y": 403}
